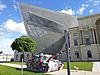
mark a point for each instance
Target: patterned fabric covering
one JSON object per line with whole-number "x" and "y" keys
{"x": 44, "y": 63}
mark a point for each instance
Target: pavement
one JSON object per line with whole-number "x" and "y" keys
{"x": 95, "y": 70}
{"x": 73, "y": 72}
{"x": 96, "y": 67}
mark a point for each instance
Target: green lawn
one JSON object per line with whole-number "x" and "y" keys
{"x": 4, "y": 70}
{"x": 86, "y": 66}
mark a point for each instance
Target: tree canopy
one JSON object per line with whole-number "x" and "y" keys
{"x": 23, "y": 44}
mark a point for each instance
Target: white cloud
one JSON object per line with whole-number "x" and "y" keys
{"x": 5, "y": 45}
{"x": 81, "y": 10}
{"x": 67, "y": 11}
{"x": 72, "y": 11}
{"x": 96, "y": 2}
{"x": 13, "y": 26}
{"x": 85, "y": 5}
{"x": 8, "y": 32}
{"x": 15, "y": 7}
{"x": 2, "y": 6}
{"x": 91, "y": 11}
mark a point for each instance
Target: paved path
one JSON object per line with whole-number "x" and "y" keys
{"x": 96, "y": 67}
{"x": 73, "y": 72}
{"x": 13, "y": 65}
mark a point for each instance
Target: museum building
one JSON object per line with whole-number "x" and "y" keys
{"x": 47, "y": 28}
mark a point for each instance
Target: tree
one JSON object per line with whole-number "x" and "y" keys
{"x": 23, "y": 44}
{"x": 1, "y": 52}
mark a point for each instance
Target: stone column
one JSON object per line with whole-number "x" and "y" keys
{"x": 92, "y": 36}
{"x": 81, "y": 37}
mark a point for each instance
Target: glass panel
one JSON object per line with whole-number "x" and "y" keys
{"x": 74, "y": 34}
{"x": 87, "y": 37}
{"x": 89, "y": 54}
{"x": 77, "y": 54}
{"x": 42, "y": 23}
{"x": 75, "y": 42}
{"x": 87, "y": 40}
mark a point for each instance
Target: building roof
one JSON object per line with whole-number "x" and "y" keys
{"x": 89, "y": 16}
{"x": 2, "y": 55}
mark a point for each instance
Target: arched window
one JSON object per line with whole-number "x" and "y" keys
{"x": 89, "y": 54}
{"x": 77, "y": 54}
{"x": 27, "y": 56}
{"x": 16, "y": 57}
{"x": 75, "y": 42}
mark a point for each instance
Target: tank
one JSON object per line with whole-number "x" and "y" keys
{"x": 44, "y": 63}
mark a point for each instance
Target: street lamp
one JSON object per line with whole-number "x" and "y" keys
{"x": 67, "y": 50}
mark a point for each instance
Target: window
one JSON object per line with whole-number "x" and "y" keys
{"x": 74, "y": 34}
{"x": 89, "y": 54}
{"x": 27, "y": 56}
{"x": 87, "y": 37}
{"x": 3, "y": 58}
{"x": 16, "y": 57}
{"x": 75, "y": 42}
{"x": 77, "y": 54}
{"x": 87, "y": 41}
{"x": 7, "y": 57}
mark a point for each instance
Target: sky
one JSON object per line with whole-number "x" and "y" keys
{"x": 11, "y": 23}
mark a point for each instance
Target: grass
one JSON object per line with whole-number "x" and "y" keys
{"x": 17, "y": 63}
{"x": 86, "y": 66}
{"x": 5, "y": 70}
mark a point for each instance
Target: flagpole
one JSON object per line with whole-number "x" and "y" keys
{"x": 67, "y": 51}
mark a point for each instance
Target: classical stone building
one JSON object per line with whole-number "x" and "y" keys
{"x": 47, "y": 28}
{"x": 85, "y": 38}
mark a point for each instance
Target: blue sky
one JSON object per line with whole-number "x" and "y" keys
{"x": 11, "y": 24}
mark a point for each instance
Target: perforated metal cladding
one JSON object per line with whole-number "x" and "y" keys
{"x": 46, "y": 27}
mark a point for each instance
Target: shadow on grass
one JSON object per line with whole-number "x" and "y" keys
{"x": 26, "y": 69}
